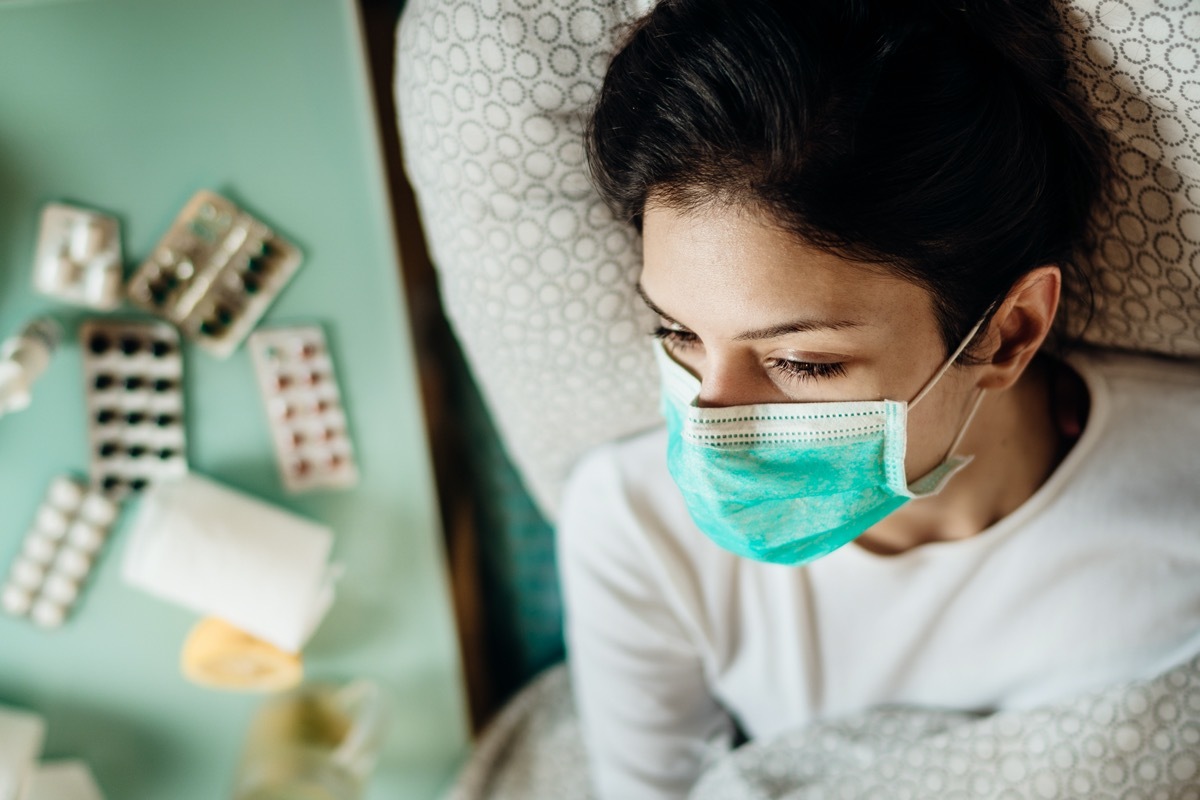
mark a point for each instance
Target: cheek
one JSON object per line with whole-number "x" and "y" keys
{"x": 933, "y": 425}
{"x": 922, "y": 453}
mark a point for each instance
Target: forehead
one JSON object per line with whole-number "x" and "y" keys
{"x": 726, "y": 267}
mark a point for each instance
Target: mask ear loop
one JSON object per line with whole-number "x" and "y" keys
{"x": 967, "y": 423}
{"x": 970, "y": 337}
{"x": 937, "y": 376}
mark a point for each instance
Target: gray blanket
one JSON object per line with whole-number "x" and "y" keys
{"x": 1137, "y": 741}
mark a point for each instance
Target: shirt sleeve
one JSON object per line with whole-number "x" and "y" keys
{"x": 649, "y": 721}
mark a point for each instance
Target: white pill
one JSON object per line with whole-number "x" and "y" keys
{"x": 87, "y": 238}
{"x": 47, "y": 613}
{"x": 59, "y": 271}
{"x": 73, "y": 563}
{"x": 16, "y": 599}
{"x": 99, "y": 510}
{"x": 65, "y": 493}
{"x": 52, "y": 521}
{"x": 40, "y": 548}
{"x": 102, "y": 284}
{"x": 27, "y": 574}
{"x": 61, "y": 589}
{"x": 86, "y": 536}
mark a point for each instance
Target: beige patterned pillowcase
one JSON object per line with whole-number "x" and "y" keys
{"x": 538, "y": 278}
{"x": 1138, "y": 63}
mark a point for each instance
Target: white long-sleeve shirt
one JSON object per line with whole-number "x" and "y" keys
{"x": 1094, "y": 580}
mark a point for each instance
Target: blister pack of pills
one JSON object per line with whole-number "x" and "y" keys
{"x": 133, "y": 377}
{"x": 304, "y": 408}
{"x": 57, "y": 554}
{"x": 78, "y": 257}
{"x": 214, "y": 273}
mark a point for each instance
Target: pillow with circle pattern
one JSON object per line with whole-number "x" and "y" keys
{"x": 538, "y": 278}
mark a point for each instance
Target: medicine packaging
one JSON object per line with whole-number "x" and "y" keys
{"x": 78, "y": 257}
{"x": 57, "y": 554}
{"x": 61, "y": 780}
{"x": 133, "y": 379}
{"x": 214, "y": 273}
{"x": 23, "y": 358}
{"x": 229, "y": 555}
{"x": 304, "y": 408}
{"x": 21, "y": 736}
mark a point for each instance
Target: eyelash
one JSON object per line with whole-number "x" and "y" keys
{"x": 796, "y": 370}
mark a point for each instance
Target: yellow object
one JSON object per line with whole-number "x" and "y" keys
{"x": 219, "y": 656}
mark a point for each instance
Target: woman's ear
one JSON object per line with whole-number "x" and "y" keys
{"x": 1019, "y": 327}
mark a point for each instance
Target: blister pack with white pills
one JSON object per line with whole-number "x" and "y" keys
{"x": 78, "y": 257}
{"x": 214, "y": 273}
{"x": 57, "y": 554}
{"x": 133, "y": 377}
{"x": 304, "y": 408}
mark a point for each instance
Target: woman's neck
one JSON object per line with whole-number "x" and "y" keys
{"x": 1018, "y": 438}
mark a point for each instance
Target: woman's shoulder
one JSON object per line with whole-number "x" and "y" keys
{"x": 619, "y": 478}
{"x": 621, "y": 496}
{"x": 1126, "y": 372}
{"x": 1142, "y": 435}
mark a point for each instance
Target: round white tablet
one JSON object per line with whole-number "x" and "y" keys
{"x": 27, "y": 574}
{"x": 16, "y": 599}
{"x": 98, "y": 510}
{"x": 65, "y": 492}
{"x": 48, "y": 614}
{"x": 40, "y": 548}
{"x": 73, "y": 563}
{"x": 86, "y": 536}
{"x": 61, "y": 589}
{"x": 52, "y": 521}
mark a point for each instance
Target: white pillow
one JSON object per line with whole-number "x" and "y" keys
{"x": 538, "y": 278}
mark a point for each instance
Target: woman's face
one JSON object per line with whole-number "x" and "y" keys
{"x": 760, "y": 317}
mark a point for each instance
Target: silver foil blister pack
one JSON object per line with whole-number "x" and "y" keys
{"x": 133, "y": 378}
{"x": 304, "y": 408}
{"x": 214, "y": 273}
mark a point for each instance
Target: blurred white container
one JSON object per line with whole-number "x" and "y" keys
{"x": 226, "y": 554}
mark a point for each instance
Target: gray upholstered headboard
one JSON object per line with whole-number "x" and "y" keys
{"x": 538, "y": 278}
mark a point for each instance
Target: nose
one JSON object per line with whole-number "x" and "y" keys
{"x": 726, "y": 382}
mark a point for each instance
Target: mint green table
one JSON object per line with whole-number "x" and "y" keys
{"x": 130, "y": 106}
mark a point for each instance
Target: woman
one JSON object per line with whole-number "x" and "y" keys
{"x": 877, "y": 483}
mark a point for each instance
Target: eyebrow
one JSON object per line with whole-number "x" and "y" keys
{"x": 773, "y": 332}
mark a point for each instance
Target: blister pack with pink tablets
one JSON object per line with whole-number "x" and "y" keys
{"x": 214, "y": 273}
{"x": 304, "y": 408}
{"x": 133, "y": 378}
{"x": 57, "y": 554}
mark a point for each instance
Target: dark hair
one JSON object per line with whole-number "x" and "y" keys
{"x": 939, "y": 139}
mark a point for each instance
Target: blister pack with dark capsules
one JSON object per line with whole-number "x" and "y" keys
{"x": 133, "y": 378}
{"x": 214, "y": 273}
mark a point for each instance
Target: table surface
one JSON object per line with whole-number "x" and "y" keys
{"x": 130, "y": 106}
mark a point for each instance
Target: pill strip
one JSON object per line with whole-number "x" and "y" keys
{"x": 214, "y": 273}
{"x": 133, "y": 379}
{"x": 58, "y": 552}
{"x": 304, "y": 408}
{"x": 78, "y": 257}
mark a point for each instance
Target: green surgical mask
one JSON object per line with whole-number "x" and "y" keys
{"x": 787, "y": 483}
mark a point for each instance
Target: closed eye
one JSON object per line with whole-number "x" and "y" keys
{"x": 676, "y": 338}
{"x": 808, "y": 370}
